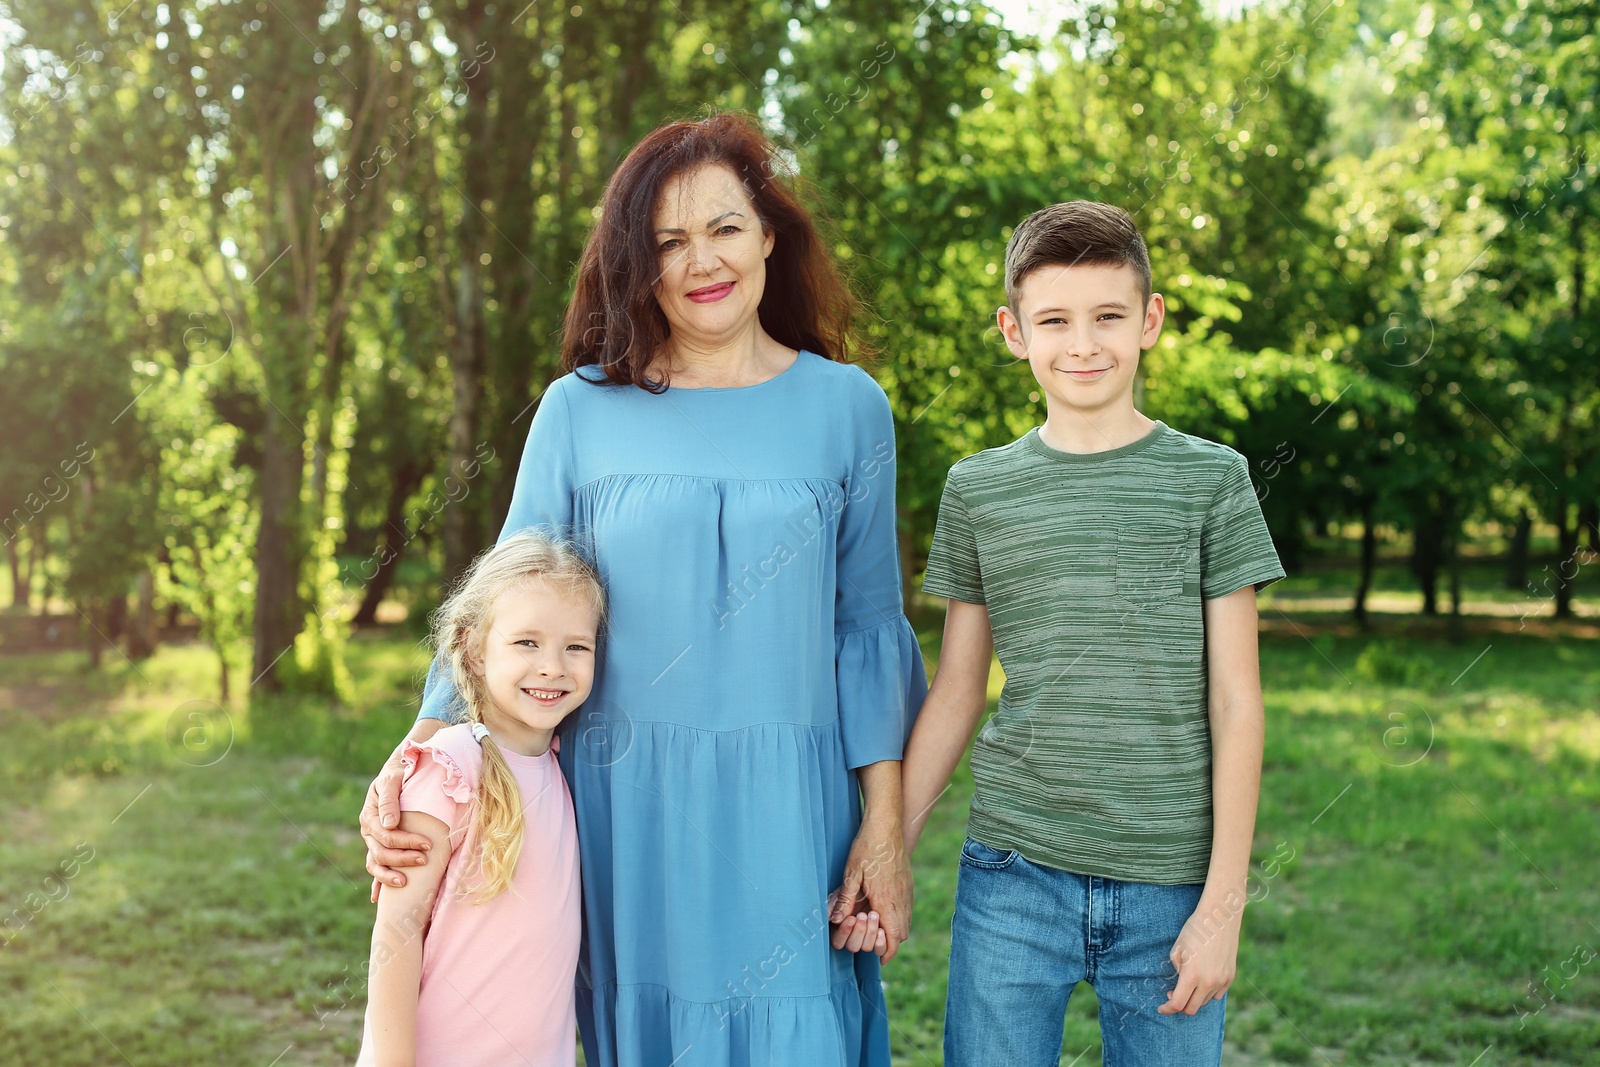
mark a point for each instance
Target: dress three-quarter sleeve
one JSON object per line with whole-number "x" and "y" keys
{"x": 541, "y": 497}
{"x": 881, "y": 676}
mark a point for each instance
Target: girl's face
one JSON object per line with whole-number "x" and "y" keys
{"x": 538, "y": 663}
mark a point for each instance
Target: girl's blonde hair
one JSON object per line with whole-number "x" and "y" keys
{"x": 460, "y": 628}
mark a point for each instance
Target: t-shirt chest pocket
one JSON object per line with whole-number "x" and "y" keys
{"x": 1157, "y": 564}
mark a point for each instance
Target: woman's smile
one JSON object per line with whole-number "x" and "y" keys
{"x": 710, "y": 294}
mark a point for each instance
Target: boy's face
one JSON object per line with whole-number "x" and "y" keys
{"x": 1081, "y": 328}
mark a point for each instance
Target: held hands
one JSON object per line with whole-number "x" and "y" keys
{"x": 871, "y": 909}
{"x": 388, "y": 847}
{"x": 1205, "y": 955}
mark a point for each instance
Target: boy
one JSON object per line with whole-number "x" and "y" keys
{"x": 1113, "y": 562}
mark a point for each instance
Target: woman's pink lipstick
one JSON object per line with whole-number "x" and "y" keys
{"x": 711, "y": 293}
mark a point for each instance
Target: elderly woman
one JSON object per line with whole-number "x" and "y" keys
{"x": 739, "y": 756}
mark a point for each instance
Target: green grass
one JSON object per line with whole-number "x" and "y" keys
{"x": 1328, "y": 584}
{"x": 1443, "y": 825}
{"x": 1445, "y": 848}
{"x": 222, "y": 917}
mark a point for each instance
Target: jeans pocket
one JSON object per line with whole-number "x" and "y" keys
{"x": 977, "y": 854}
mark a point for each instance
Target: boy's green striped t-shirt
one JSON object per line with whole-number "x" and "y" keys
{"x": 1093, "y": 568}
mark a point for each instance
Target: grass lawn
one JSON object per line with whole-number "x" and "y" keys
{"x": 180, "y": 885}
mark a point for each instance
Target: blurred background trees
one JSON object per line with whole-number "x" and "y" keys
{"x": 281, "y": 282}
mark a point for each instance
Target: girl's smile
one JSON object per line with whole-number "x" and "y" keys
{"x": 538, "y": 663}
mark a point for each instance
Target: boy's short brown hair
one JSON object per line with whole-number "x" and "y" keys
{"x": 1077, "y": 232}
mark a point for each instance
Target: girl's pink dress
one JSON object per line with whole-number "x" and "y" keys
{"x": 497, "y": 978}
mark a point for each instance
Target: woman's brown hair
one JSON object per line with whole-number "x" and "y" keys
{"x": 614, "y": 321}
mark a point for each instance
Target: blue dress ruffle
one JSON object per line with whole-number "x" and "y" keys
{"x": 756, "y": 654}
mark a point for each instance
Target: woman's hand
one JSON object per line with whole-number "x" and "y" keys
{"x": 387, "y": 846}
{"x": 871, "y": 909}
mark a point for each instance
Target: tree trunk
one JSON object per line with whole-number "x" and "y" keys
{"x": 466, "y": 370}
{"x": 1453, "y": 562}
{"x": 116, "y": 617}
{"x": 302, "y": 302}
{"x": 391, "y": 544}
{"x": 93, "y": 615}
{"x": 324, "y": 442}
{"x": 1425, "y": 559}
{"x": 1369, "y": 557}
{"x": 1517, "y": 553}
{"x": 38, "y": 554}
{"x": 1566, "y": 559}
{"x": 388, "y": 559}
{"x": 19, "y": 590}
{"x": 142, "y": 637}
{"x": 279, "y": 549}
{"x": 1567, "y": 539}
{"x": 462, "y": 540}
{"x": 638, "y": 29}
{"x": 172, "y": 609}
{"x": 1589, "y": 520}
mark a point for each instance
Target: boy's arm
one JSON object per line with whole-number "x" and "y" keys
{"x": 1206, "y": 952}
{"x": 950, "y": 714}
{"x": 951, "y": 710}
{"x": 395, "y": 975}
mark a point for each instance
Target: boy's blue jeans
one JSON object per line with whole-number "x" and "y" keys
{"x": 1025, "y": 934}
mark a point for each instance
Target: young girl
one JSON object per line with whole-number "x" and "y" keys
{"x": 473, "y": 960}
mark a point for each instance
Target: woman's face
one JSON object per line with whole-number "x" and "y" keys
{"x": 713, "y": 256}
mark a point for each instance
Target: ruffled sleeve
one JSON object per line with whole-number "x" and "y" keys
{"x": 881, "y": 676}
{"x": 542, "y": 498}
{"x": 440, "y": 775}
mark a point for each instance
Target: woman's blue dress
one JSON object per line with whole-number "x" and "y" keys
{"x": 756, "y": 653}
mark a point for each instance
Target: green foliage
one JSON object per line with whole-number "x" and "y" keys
{"x": 284, "y": 291}
{"x": 206, "y": 503}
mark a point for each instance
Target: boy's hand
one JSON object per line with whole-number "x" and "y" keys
{"x": 861, "y": 932}
{"x": 1206, "y": 955}
{"x": 876, "y": 892}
